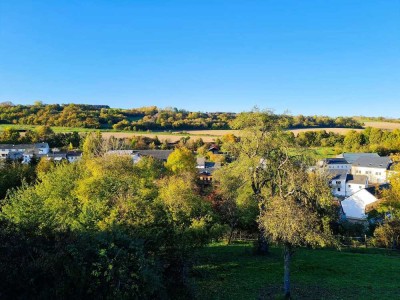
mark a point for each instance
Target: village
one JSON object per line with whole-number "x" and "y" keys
{"x": 356, "y": 179}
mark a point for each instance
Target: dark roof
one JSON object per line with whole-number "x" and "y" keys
{"x": 373, "y": 162}
{"x": 356, "y": 179}
{"x": 338, "y": 160}
{"x": 74, "y": 153}
{"x": 158, "y": 154}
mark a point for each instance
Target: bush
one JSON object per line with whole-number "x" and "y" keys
{"x": 387, "y": 235}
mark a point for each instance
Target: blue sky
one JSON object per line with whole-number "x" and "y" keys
{"x": 309, "y": 57}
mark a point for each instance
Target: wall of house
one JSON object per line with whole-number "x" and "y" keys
{"x": 352, "y": 188}
{"x": 338, "y": 187}
{"x": 339, "y": 167}
{"x": 375, "y": 175}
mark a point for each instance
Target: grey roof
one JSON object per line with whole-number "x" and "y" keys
{"x": 373, "y": 162}
{"x": 158, "y": 154}
{"x": 24, "y": 146}
{"x": 356, "y": 179}
{"x": 201, "y": 162}
{"x": 336, "y": 160}
{"x": 338, "y": 174}
{"x": 352, "y": 157}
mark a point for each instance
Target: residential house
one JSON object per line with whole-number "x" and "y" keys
{"x": 206, "y": 169}
{"x": 375, "y": 168}
{"x": 10, "y": 151}
{"x": 73, "y": 156}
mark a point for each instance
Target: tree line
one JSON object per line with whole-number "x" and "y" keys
{"x": 144, "y": 118}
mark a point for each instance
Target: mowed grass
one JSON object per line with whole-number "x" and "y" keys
{"x": 234, "y": 272}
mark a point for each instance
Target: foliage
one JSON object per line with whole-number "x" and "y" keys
{"x": 102, "y": 228}
{"x": 181, "y": 160}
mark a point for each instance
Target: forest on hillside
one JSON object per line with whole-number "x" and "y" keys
{"x": 144, "y": 118}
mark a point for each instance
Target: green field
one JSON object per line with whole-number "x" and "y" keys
{"x": 233, "y": 272}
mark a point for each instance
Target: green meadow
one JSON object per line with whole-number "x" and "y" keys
{"x": 234, "y": 272}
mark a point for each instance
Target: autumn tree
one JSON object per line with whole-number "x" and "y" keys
{"x": 181, "y": 160}
{"x": 301, "y": 211}
{"x": 256, "y": 158}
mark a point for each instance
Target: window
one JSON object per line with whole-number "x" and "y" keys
{"x": 378, "y": 173}
{"x": 338, "y": 189}
{"x": 338, "y": 182}
{"x": 367, "y": 172}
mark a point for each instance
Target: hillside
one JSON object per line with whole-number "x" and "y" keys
{"x": 145, "y": 118}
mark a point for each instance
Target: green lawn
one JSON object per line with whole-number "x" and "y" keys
{"x": 233, "y": 272}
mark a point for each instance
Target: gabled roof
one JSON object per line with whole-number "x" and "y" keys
{"x": 354, "y": 205}
{"x": 373, "y": 162}
{"x": 352, "y": 157}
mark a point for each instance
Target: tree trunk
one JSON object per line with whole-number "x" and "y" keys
{"x": 287, "y": 256}
{"x": 262, "y": 244}
{"x": 231, "y": 235}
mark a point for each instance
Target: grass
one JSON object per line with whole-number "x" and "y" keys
{"x": 233, "y": 272}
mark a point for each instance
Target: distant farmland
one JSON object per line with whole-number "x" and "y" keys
{"x": 206, "y": 135}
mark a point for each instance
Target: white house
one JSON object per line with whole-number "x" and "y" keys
{"x": 375, "y": 168}
{"x": 338, "y": 182}
{"x": 355, "y": 183}
{"x": 38, "y": 148}
{"x": 354, "y": 206}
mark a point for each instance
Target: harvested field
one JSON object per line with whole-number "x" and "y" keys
{"x": 382, "y": 125}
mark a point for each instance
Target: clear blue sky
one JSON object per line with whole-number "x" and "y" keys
{"x": 310, "y": 57}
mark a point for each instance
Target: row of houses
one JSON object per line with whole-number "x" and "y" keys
{"x": 355, "y": 179}
{"x": 25, "y": 152}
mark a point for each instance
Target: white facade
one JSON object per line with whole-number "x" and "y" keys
{"x": 375, "y": 175}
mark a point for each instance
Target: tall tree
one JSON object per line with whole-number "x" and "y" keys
{"x": 299, "y": 214}
{"x": 256, "y": 158}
